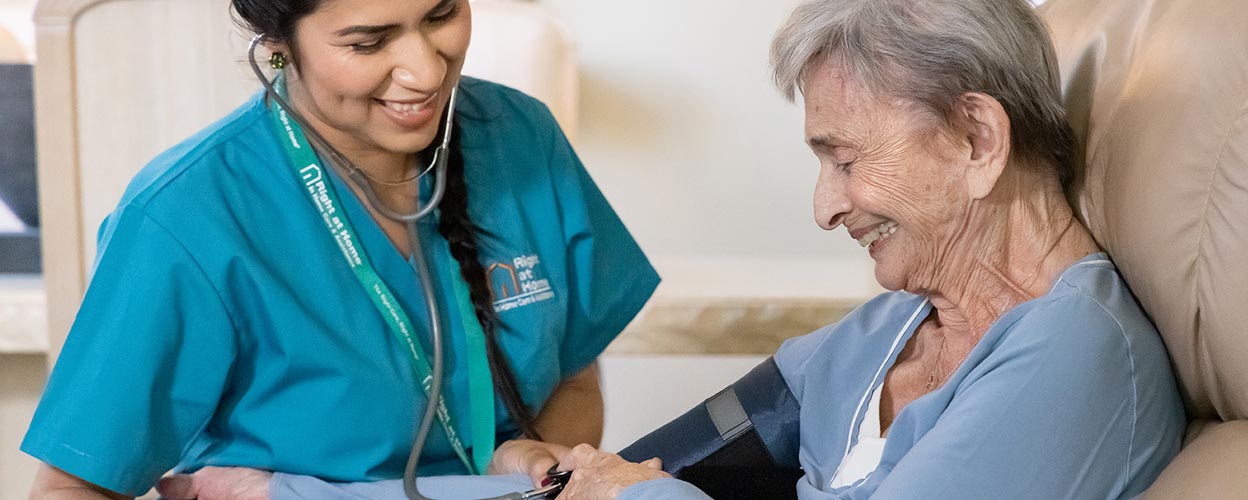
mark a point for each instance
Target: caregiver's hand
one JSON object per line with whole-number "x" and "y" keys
{"x": 599, "y": 475}
{"x": 528, "y": 457}
{"x": 217, "y": 483}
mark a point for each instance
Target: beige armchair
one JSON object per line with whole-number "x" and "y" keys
{"x": 1158, "y": 92}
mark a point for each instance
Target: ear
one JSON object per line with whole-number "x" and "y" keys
{"x": 273, "y": 47}
{"x": 987, "y": 128}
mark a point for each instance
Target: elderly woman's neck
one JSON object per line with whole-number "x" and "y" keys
{"x": 1019, "y": 240}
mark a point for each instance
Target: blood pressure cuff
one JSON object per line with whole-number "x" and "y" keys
{"x": 740, "y": 443}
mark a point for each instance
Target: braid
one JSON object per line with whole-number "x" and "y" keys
{"x": 461, "y": 234}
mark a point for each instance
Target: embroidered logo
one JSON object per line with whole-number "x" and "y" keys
{"x": 519, "y": 283}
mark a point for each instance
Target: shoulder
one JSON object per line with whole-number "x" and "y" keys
{"x": 871, "y": 327}
{"x": 1089, "y": 324}
{"x": 485, "y": 104}
{"x": 874, "y": 317}
{"x": 200, "y": 161}
{"x": 1088, "y": 305}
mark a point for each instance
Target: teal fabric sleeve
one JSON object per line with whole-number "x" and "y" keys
{"x": 144, "y": 368}
{"x": 609, "y": 277}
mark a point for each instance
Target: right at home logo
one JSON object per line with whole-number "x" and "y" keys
{"x": 519, "y": 283}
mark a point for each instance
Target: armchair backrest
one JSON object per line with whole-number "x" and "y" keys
{"x": 1157, "y": 90}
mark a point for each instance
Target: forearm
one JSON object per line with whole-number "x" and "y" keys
{"x": 574, "y": 412}
{"x": 55, "y": 484}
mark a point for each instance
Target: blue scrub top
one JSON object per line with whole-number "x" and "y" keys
{"x": 222, "y": 326}
{"x": 1069, "y": 395}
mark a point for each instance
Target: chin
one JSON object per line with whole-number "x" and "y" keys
{"x": 410, "y": 144}
{"x": 889, "y": 281}
{"x": 889, "y": 275}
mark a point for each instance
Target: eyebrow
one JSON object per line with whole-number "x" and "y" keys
{"x": 826, "y": 141}
{"x": 383, "y": 28}
{"x": 365, "y": 30}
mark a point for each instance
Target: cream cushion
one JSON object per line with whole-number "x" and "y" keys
{"x": 1157, "y": 90}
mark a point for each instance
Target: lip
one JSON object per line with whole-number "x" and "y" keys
{"x": 863, "y": 229}
{"x": 410, "y": 120}
{"x": 878, "y": 246}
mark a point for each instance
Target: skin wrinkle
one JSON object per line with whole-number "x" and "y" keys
{"x": 978, "y": 231}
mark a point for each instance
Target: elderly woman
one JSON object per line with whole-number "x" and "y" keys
{"x": 1011, "y": 361}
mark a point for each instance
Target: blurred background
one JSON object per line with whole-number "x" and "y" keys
{"x": 669, "y": 105}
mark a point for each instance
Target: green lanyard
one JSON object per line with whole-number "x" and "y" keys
{"x": 306, "y": 166}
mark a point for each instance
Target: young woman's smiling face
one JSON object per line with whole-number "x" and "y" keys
{"x": 374, "y": 76}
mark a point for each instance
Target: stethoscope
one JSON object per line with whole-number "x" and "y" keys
{"x": 437, "y": 168}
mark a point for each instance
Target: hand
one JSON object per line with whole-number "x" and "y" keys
{"x": 603, "y": 476}
{"x": 217, "y": 483}
{"x": 525, "y": 456}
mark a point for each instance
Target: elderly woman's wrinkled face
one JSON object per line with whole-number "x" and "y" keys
{"x": 889, "y": 172}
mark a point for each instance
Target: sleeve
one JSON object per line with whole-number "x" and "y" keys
{"x": 609, "y": 277}
{"x": 795, "y": 353}
{"x": 663, "y": 489}
{"x": 143, "y": 367}
{"x": 296, "y": 487}
{"x": 1049, "y": 416}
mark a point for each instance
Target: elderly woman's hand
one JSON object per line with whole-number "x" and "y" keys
{"x": 598, "y": 475}
{"x": 217, "y": 483}
{"x": 528, "y": 457}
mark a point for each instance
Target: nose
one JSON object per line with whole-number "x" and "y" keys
{"x": 420, "y": 66}
{"x": 832, "y": 203}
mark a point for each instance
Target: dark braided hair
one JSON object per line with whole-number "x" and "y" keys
{"x": 460, "y": 232}
{"x": 276, "y": 19}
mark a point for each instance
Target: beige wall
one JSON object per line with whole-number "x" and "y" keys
{"x": 21, "y": 380}
{"x": 21, "y": 376}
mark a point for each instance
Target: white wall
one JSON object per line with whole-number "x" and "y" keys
{"x": 15, "y": 18}
{"x": 703, "y": 159}
{"x": 640, "y": 396}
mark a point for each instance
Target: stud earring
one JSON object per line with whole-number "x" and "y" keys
{"x": 277, "y": 60}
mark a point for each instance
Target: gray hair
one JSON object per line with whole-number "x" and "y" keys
{"x": 931, "y": 52}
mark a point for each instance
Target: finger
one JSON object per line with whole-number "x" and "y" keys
{"x": 655, "y": 463}
{"x": 539, "y": 467}
{"x": 178, "y": 487}
{"x": 580, "y": 455}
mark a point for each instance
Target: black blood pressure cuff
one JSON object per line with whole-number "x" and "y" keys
{"x": 740, "y": 443}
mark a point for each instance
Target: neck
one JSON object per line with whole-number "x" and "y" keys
{"x": 1015, "y": 244}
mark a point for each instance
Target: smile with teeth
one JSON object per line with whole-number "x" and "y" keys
{"x": 880, "y": 233}
{"x": 404, "y": 108}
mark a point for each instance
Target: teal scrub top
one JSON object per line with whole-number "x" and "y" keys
{"x": 222, "y": 326}
{"x": 1067, "y": 396}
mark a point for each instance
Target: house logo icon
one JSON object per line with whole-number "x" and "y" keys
{"x": 503, "y": 282}
{"x": 520, "y": 283}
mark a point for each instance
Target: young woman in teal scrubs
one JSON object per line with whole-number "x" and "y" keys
{"x": 223, "y": 326}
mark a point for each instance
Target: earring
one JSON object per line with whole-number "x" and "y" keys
{"x": 277, "y": 60}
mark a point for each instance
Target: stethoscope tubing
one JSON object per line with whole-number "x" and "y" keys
{"x": 438, "y": 167}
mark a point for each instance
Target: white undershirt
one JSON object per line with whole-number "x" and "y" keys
{"x": 864, "y": 457}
